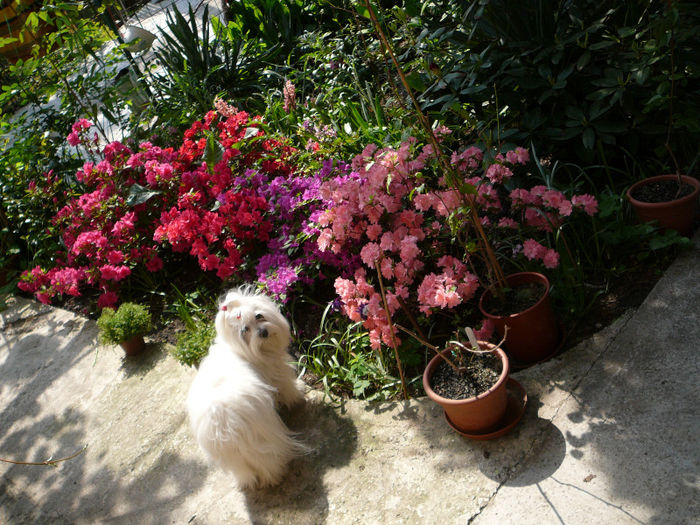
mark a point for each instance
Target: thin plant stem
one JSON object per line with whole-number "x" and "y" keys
{"x": 470, "y": 201}
{"x": 391, "y": 331}
{"x": 671, "y": 94}
{"x": 48, "y": 463}
{"x": 428, "y": 345}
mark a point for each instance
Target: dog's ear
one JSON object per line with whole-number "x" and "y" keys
{"x": 231, "y": 300}
{"x": 227, "y": 306}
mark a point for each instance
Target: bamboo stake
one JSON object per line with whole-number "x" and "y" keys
{"x": 482, "y": 238}
{"x": 391, "y": 327}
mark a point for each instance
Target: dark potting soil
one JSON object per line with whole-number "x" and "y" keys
{"x": 481, "y": 372}
{"x": 661, "y": 191}
{"x": 514, "y": 300}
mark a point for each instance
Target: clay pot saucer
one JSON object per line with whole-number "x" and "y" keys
{"x": 517, "y": 399}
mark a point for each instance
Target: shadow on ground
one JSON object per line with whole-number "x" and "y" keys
{"x": 301, "y": 498}
{"x": 45, "y": 417}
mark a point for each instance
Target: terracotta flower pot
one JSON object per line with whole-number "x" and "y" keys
{"x": 676, "y": 214}
{"x": 533, "y": 334}
{"x": 476, "y": 414}
{"x": 133, "y": 346}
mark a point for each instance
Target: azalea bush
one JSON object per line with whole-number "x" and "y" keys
{"x": 228, "y": 197}
{"x": 403, "y": 219}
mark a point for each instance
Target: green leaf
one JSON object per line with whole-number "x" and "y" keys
{"x": 250, "y": 132}
{"x": 416, "y": 82}
{"x": 588, "y": 138}
{"x": 600, "y": 94}
{"x": 575, "y": 113}
{"x": 139, "y": 194}
{"x": 214, "y": 151}
{"x": 583, "y": 60}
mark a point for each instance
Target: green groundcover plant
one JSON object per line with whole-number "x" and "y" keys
{"x": 193, "y": 343}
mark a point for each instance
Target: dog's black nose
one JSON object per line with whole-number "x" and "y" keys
{"x": 262, "y": 332}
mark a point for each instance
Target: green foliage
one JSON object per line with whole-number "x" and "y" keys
{"x": 128, "y": 321}
{"x": 193, "y": 307}
{"x": 193, "y": 344}
{"x": 341, "y": 357}
{"x": 199, "y": 66}
{"x": 272, "y": 22}
{"x": 34, "y": 179}
{"x": 584, "y": 80}
{"x": 342, "y": 81}
{"x": 70, "y": 81}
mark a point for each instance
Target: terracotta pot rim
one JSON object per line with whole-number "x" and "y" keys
{"x": 539, "y": 276}
{"x": 685, "y": 178}
{"x": 429, "y": 370}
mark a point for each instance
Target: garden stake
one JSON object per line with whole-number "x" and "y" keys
{"x": 667, "y": 145}
{"x": 482, "y": 238}
{"x": 391, "y": 326}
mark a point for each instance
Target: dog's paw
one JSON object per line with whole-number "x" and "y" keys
{"x": 292, "y": 395}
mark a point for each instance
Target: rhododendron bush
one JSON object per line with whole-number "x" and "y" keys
{"x": 228, "y": 197}
{"x": 402, "y": 224}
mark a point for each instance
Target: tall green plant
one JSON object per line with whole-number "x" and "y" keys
{"x": 198, "y": 66}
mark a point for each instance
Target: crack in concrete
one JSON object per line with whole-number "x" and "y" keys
{"x": 528, "y": 453}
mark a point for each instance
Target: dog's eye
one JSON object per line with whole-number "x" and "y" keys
{"x": 259, "y": 317}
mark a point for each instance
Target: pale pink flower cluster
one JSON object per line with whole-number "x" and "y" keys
{"x": 545, "y": 208}
{"x": 448, "y": 289}
{"x": 387, "y": 212}
{"x": 290, "y": 96}
{"x": 224, "y": 109}
{"x": 533, "y": 250}
{"x": 379, "y": 209}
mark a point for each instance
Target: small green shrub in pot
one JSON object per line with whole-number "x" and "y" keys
{"x": 126, "y": 323}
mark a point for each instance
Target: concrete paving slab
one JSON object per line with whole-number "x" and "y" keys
{"x": 609, "y": 435}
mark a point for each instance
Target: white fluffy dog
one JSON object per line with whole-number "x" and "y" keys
{"x": 233, "y": 399}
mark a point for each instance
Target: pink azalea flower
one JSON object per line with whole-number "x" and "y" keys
{"x": 551, "y": 259}
{"x": 497, "y": 173}
{"x": 154, "y": 264}
{"x": 110, "y": 272}
{"x": 533, "y": 250}
{"x": 587, "y": 202}
{"x": 107, "y": 299}
{"x": 518, "y": 156}
{"x": 485, "y": 333}
{"x": 507, "y": 222}
{"x": 115, "y": 257}
{"x": 370, "y": 254}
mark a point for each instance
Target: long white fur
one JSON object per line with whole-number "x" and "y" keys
{"x": 233, "y": 400}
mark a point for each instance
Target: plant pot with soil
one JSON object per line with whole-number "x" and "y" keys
{"x": 473, "y": 387}
{"x": 125, "y": 327}
{"x": 669, "y": 200}
{"x": 525, "y": 311}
